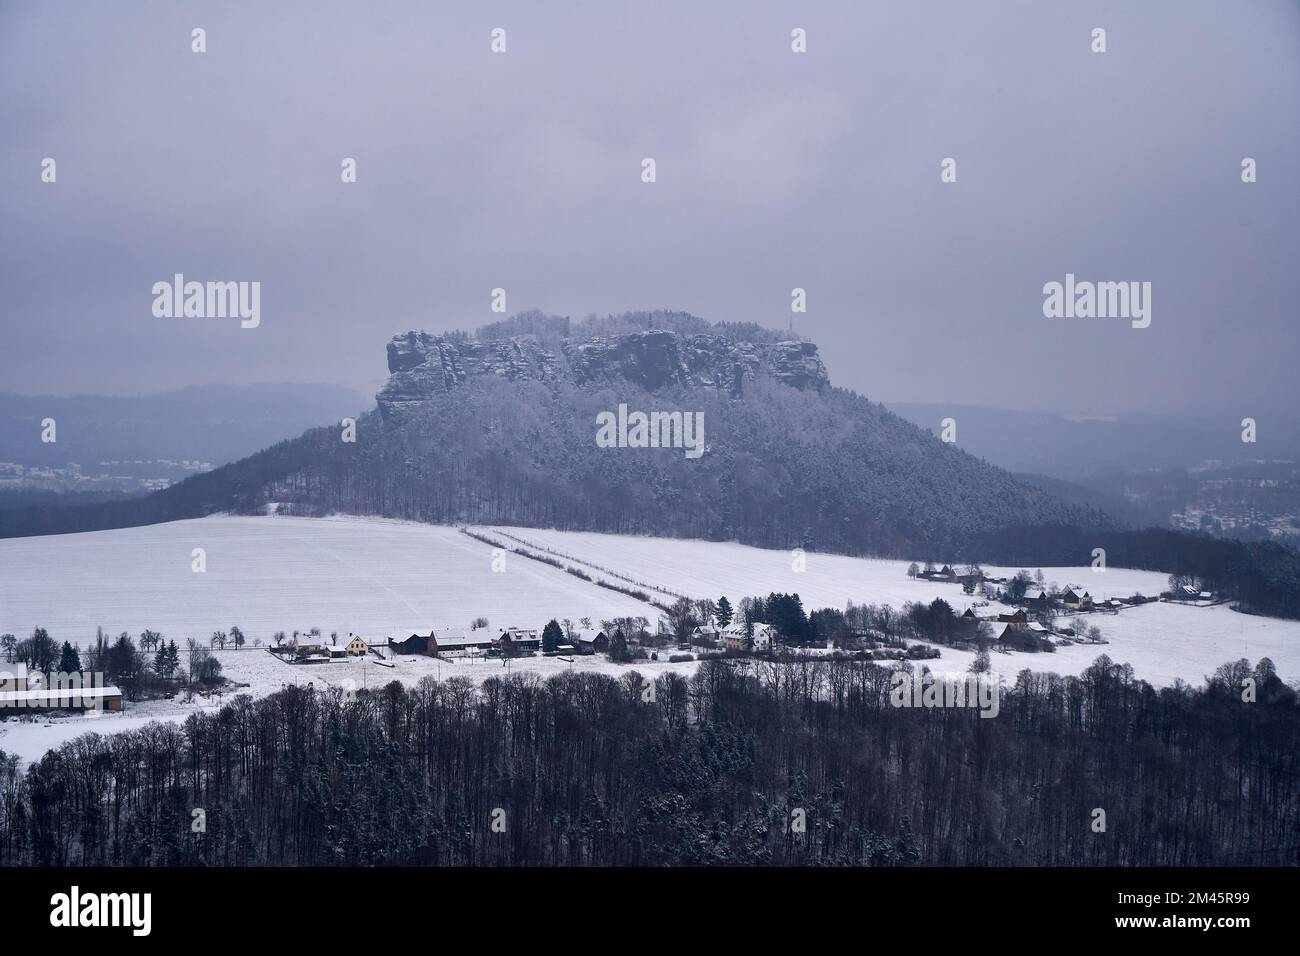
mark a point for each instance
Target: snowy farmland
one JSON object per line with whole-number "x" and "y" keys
{"x": 375, "y": 578}
{"x": 711, "y": 569}
{"x": 381, "y": 578}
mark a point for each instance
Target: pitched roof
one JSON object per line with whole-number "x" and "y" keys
{"x": 461, "y": 639}
{"x": 58, "y": 694}
{"x": 13, "y": 672}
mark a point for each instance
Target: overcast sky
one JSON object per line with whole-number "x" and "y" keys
{"x": 523, "y": 170}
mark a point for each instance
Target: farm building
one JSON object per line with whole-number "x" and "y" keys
{"x": 459, "y": 643}
{"x": 415, "y": 644}
{"x": 61, "y": 698}
{"x": 445, "y": 643}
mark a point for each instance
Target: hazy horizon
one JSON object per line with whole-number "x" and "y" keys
{"x": 775, "y": 170}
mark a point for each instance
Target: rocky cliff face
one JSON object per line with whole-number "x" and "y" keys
{"x": 423, "y": 365}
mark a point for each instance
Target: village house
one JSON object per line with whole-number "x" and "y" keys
{"x": 1070, "y": 599}
{"x": 734, "y": 637}
{"x": 519, "y": 640}
{"x": 353, "y": 646}
{"x": 1018, "y": 621}
{"x": 1036, "y": 599}
{"x": 1019, "y": 638}
{"x": 707, "y": 632}
{"x": 308, "y": 643}
{"x": 592, "y": 641}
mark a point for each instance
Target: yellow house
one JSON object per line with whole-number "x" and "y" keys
{"x": 356, "y": 646}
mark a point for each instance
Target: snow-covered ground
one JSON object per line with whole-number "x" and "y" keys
{"x": 1162, "y": 641}
{"x": 381, "y": 578}
{"x": 371, "y": 577}
{"x": 264, "y": 673}
{"x": 712, "y": 569}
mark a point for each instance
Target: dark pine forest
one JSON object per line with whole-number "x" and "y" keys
{"x": 585, "y": 769}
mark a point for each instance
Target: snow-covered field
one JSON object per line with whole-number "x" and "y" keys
{"x": 711, "y": 569}
{"x": 381, "y": 578}
{"x": 371, "y": 577}
{"x": 1163, "y": 642}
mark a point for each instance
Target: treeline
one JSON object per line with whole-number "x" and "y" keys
{"x": 801, "y": 762}
{"x": 1263, "y": 577}
{"x": 151, "y": 668}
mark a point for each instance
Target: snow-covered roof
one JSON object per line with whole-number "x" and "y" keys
{"x": 587, "y": 635}
{"x": 17, "y": 671}
{"x": 70, "y": 695}
{"x": 461, "y": 639}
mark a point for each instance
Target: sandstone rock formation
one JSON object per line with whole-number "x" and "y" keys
{"x": 423, "y": 365}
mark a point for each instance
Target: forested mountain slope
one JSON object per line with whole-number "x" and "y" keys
{"x": 501, "y": 428}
